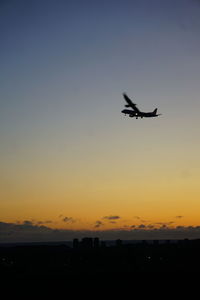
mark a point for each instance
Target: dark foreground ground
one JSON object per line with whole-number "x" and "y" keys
{"x": 60, "y": 260}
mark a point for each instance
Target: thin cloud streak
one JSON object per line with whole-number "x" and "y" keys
{"x": 111, "y": 217}
{"x": 98, "y": 224}
{"x": 68, "y": 220}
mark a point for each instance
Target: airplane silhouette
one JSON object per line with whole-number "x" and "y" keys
{"x": 135, "y": 112}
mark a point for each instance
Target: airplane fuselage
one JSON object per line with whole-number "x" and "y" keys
{"x": 139, "y": 114}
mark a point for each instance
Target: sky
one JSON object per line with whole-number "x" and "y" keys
{"x": 69, "y": 159}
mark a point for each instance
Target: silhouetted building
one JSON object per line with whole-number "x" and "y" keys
{"x": 36, "y": 259}
{"x": 96, "y": 242}
{"x": 75, "y": 243}
{"x": 103, "y": 244}
{"x": 186, "y": 241}
{"x": 118, "y": 243}
{"x": 87, "y": 243}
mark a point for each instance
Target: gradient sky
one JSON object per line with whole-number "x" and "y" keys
{"x": 68, "y": 157}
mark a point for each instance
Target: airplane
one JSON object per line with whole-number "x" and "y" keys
{"x": 135, "y": 112}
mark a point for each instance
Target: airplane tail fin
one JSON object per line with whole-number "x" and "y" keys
{"x": 155, "y": 111}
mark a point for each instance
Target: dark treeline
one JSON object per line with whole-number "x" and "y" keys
{"x": 92, "y": 255}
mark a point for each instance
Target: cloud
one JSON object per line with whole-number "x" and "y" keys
{"x": 150, "y": 226}
{"x": 141, "y": 220}
{"x": 179, "y": 217}
{"x": 44, "y": 222}
{"x": 153, "y": 226}
{"x": 142, "y": 226}
{"x": 33, "y": 222}
{"x": 98, "y": 224}
{"x": 111, "y": 218}
{"x": 132, "y": 226}
{"x": 28, "y": 232}
{"x": 68, "y": 220}
{"x": 28, "y": 223}
{"x": 164, "y": 223}
{"x": 25, "y": 231}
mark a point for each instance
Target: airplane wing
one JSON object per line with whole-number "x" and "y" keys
{"x": 130, "y": 103}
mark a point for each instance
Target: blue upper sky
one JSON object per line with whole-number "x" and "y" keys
{"x": 65, "y": 64}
